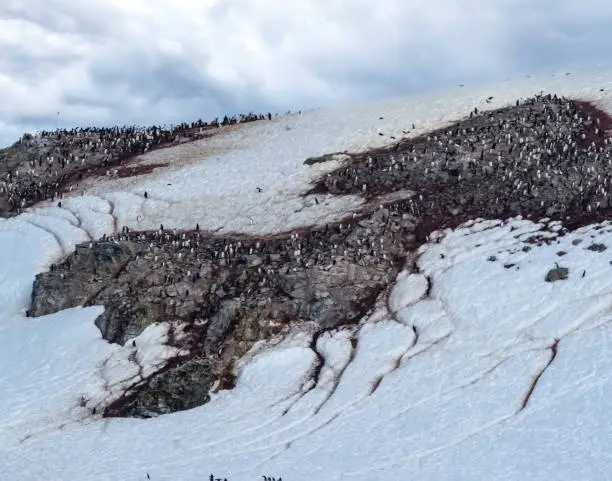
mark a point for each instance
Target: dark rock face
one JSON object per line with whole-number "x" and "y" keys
{"x": 78, "y": 281}
{"x": 228, "y": 293}
{"x": 50, "y": 296}
{"x": 546, "y": 157}
{"x": 184, "y": 387}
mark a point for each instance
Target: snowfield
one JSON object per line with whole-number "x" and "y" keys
{"x": 475, "y": 368}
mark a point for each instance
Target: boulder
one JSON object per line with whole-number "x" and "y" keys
{"x": 557, "y": 274}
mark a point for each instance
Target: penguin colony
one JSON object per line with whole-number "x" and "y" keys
{"x": 38, "y": 167}
{"x": 546, "y": 156}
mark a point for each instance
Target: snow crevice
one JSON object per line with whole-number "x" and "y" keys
{"x": 536, "y": 378}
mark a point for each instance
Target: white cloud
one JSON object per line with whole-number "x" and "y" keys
{"x": 107, "y": 62}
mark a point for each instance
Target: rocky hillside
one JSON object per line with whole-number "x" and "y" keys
{"x": 543, "y": 157}
{"x": 49, "y": 164}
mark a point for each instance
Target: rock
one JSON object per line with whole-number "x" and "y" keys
{"x": 138, "y": 319}
{"x": 597, "y": 247}
{"x": 254, "y": 261}
{"x": 183, "y": 387}
{"x": 49, "y": 296}
{"x": 107, "y": 252}
{"x": 220, "y": 324}
{"x": 5, "y": 208}
{"x": 380, "y": 216}
{"x": 338, "y": 156}
{"x": 454, "y": 211}
{"x": 557, "y": 274}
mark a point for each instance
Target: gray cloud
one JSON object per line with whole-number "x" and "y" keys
{"x": 161, "y": 61}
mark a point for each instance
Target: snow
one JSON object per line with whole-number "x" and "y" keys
{"x": 407, "y": 290}
{"x": 475, "y": 369}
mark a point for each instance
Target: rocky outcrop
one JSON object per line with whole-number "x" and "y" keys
{"x": 183, "y": 387}
{"x": 544, "y": 157}
{"x": 60, "y": 291}
{"x": 228, "y": 292}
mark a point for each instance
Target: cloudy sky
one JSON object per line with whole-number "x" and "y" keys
{"x": 107, "y": 62}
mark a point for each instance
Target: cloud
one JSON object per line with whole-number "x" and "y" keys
{"x": 161, "y": 61}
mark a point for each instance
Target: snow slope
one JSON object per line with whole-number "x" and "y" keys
{"x": 475, "y": 370}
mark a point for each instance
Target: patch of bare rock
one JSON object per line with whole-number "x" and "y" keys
{"x": 547, "y": 156}
{"x": 557, "y": 274}
{"x": 226, "y": 293}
